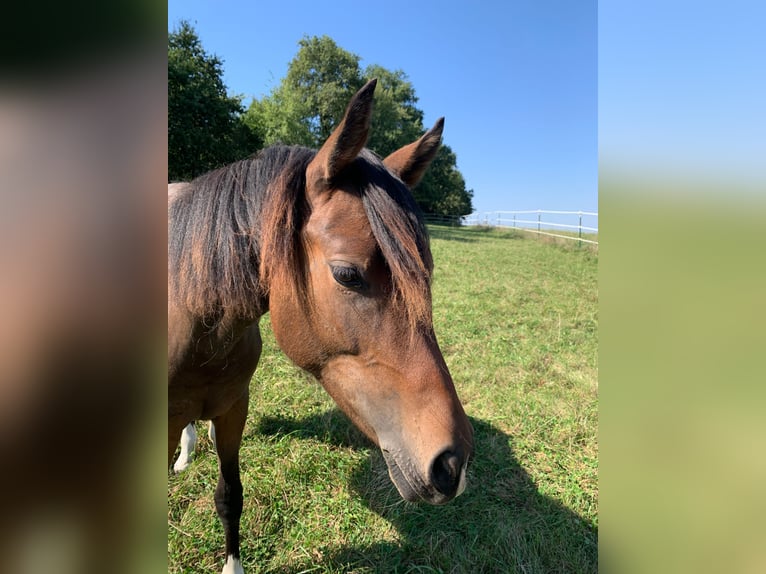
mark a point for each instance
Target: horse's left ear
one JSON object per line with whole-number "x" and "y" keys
{"x": 411, "y": 161}
{"x": 346, "y": 141}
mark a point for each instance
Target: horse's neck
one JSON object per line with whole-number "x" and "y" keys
{"x": 204, "y": 341}
{"x": 215, "y": 341}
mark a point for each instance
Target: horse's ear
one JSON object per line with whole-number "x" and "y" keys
{"x": 346, "y": 141}
{"x": 411, "y": 161}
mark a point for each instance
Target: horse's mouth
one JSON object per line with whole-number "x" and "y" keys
{"x": 408, "y": 482}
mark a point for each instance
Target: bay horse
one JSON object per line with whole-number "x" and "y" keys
{"x": 331, "y": 245}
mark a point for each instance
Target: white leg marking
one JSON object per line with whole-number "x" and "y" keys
{"x": 188, "y": 441}
{"x": 211, "y": 433}
{"x": 232, "y": 566}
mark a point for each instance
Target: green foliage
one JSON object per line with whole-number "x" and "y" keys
{"x": 517, "y": 321}
{"x": 311, "y": 99}
{"x": 442, "y": 190}
{"x": 396, "y": 120}
{"x": 204, "y": 126}
{"x": 322, "y": 78}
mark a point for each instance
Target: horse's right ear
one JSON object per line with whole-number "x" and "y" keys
{"x": 345, "y": 142}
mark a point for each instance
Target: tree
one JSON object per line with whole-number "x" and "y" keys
{"x": 205, "y": 129}
{"x": 442, "y": 189}
{"x": 311, "y": 99}
{"x": 396, "y": 121}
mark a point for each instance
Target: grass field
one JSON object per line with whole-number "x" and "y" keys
{"x": 517, "y": 322}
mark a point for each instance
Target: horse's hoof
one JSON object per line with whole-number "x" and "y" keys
{"x": 181, "y": 465}
{"x": 233, "y": 566}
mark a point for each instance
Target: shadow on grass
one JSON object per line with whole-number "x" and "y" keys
{"x": 475, "y": 233}
{"x": 450, "y": 233}
{"x": 502, "y": 523}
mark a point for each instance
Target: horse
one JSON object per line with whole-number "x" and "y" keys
{"x": 332, "y": 245}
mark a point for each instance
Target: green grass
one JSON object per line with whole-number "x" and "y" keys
{"x": 517, "y": 322}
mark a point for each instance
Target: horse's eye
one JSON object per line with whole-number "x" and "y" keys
{"x": 347, "y": 276}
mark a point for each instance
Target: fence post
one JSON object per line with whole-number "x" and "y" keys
{"x": 579, "y": 231}
{"x": 514, "y": 221}
{"x": 538, "y": 222}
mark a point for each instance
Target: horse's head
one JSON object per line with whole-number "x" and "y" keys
{"x": 363, "y": 324}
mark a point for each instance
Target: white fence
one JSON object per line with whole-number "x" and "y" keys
{"x": 540, "y": 221}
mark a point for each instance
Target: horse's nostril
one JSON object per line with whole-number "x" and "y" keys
{"x": 445, "y": 473}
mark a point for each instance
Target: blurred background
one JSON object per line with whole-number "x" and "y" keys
{"x": 83, "y": 156}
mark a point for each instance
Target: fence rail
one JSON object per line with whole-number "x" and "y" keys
{"x": 510, "y": 219}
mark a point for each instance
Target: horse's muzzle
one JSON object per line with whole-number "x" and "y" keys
{"x": 445, "y": 479}
{"x": 448, "y": 474}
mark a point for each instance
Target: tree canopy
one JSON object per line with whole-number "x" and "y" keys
{"x": 310, "y": 100}
{"x": 208, "y": 128}
{"x": 205, "y": 128}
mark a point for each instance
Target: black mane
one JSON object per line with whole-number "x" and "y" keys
{"x": 233, "y": 229}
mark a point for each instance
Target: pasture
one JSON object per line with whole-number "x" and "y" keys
{"x": 517, "y": 322}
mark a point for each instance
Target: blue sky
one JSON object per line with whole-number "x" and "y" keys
{"x": 516, "y": 81}
{"x": 682, "y": 89}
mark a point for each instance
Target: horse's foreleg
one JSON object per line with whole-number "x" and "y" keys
{"x": 228, "y": 493}
{"x": 175, "y": 428}
{"x": 211, "y": 432}
{"x": 188, "y": 441}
